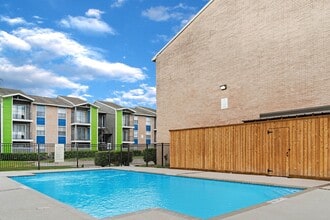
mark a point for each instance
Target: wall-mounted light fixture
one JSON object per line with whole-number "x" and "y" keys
{"x": 223, "y": 87}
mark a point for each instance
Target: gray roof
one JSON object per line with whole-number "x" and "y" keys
{"x": 111, "y": 104}
{"x": 73, "y": 100}
{"x": 50, "y": 101}
{"x": 5, "y": 91}
{"x": 145, "y": 111}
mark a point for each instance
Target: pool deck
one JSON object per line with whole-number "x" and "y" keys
{"x": 19, "y": 202}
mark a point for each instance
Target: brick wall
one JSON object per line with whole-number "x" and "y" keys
{"x": 272, "y": 55}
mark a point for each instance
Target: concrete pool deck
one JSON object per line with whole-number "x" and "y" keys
{"x": 19, "y": 202}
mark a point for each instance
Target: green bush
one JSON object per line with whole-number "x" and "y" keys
{"x": 22, "y": 156}
{"x": 137, "y": 153}
{"x": 81, "y": 154}
{"x": 102, "y": 158}
{"x": 150, "y": 155}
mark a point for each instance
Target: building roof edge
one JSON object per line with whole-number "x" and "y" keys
{"x": 177, "y": 35}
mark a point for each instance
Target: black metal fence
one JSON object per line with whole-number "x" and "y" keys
{"x": 52, "y": 156}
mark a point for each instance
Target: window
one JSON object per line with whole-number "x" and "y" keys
{"x": 19, "y": 131}
{"x": 148, "y": 121}
{"x": 148, "y": 128}
{"x": 19, "y": 111}
{"x": 61, "y": 113}
{"x": 82, "y": 116}
{"x": 135, "y": 133}
{"x": 126, "y": 120}
{"x": 41, "y": 111}
{"x": 40, "y": 130}
{"x": 62, "y": 131}
{"x": 148, "y": 137}
{"x": 136, "y": 120}
{"x": 82, "y": 133}
{"x": 126, "y": 135}
{"x": 136, "y": 141}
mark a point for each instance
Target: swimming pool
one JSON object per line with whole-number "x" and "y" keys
{"x": 106, "y": 193}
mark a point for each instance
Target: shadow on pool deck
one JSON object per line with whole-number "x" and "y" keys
{"x": 19, "y": 202}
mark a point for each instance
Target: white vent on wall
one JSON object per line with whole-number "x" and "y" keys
{"x": 224, "y": 103}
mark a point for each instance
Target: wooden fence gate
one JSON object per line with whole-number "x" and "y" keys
{"x": 288, "y": 147}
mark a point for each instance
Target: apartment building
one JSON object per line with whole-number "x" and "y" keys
{"x": 84, "y": 122}
{"x": 144, "y": 125}
{"x": 26, "y": 120}
{"x": 16, "y": 118}
{"x": 51, "y": 117}
{"x": 123, "y": 126}
{"x": 117, "y": 127}
{"x": 244, "y": 60}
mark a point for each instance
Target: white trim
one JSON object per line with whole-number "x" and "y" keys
{"x": 53, "y": 105}
{"x": 12, "y": 95}
{"x": 177, "y": 35}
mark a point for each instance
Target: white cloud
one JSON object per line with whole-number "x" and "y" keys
{"x": 90, "y": 24}
{"x": 117, "y": 3}
{"x": 180, "y": 12}
{"x": 144, "y": 96}
{"x": 159, "y": 13}
{"x": 94, "y": 13}
{"x": 85, "y": 59}
{"x": 11, "y": 41}
{"x": 36, "y": 80}
{"x": 161, "y": 38}
{"x": 13, "y": 21}
{"x": 47, "y": 39}
{"x": 120, "y": 71}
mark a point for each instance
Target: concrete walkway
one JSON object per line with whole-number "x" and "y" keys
{"x": 19, "y": 202}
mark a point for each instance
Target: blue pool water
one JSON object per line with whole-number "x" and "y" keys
{"x": 105, "y": 193}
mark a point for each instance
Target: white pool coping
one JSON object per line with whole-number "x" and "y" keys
{"x": 20, "y": 202}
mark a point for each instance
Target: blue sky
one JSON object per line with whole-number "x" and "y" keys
{"x": 92, "y": 49}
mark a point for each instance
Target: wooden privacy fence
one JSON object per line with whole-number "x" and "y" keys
{"x": 288, "y": 147}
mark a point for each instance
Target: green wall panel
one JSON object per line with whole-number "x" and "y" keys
{"x": 94, "y": 127}
{"x": 7, "y": 123}
{"x": 119, "y": 129}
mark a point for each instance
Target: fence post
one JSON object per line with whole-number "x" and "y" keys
{"x": 109, "y": 147}
{"x": 76, "y": 145}
{"x": 162, "y": 154}
{"x": 38, "y": 146}
{"x": 121, "y": 155}
{"x": 147, "y": 152}
{"x": 128, "y": 147}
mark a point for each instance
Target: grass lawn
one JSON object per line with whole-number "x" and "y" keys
{"x": 26, "y": 165}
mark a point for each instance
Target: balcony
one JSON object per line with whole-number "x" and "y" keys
{"x": 22, "y": 117}
{"x": 21, "y": 137}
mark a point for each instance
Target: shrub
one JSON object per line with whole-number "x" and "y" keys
{"x": 150, "y": 155}
{"x": 102, "y": 158}
{"x": 81, "y": 154}
{"x": 22, "y": 156}
{"x": 137, "y": 153}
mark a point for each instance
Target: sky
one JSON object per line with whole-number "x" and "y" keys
{"x": 91, "y": 49}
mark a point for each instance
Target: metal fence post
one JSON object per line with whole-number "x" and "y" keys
{"x": 109, "y": 147}
{"x": 162, "y": 154}
{"x": 147, "y": 152}
{"x": 38, "y": 146}
{"x": 121, "y": 155}
{"x": 76, "y": 145}
{"x": 128, "y": 153}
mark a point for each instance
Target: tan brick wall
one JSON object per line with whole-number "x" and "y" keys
{"x": 51, "y": 126}
{"x": 142, "y": 121}
{"x": 272, "y": 55}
